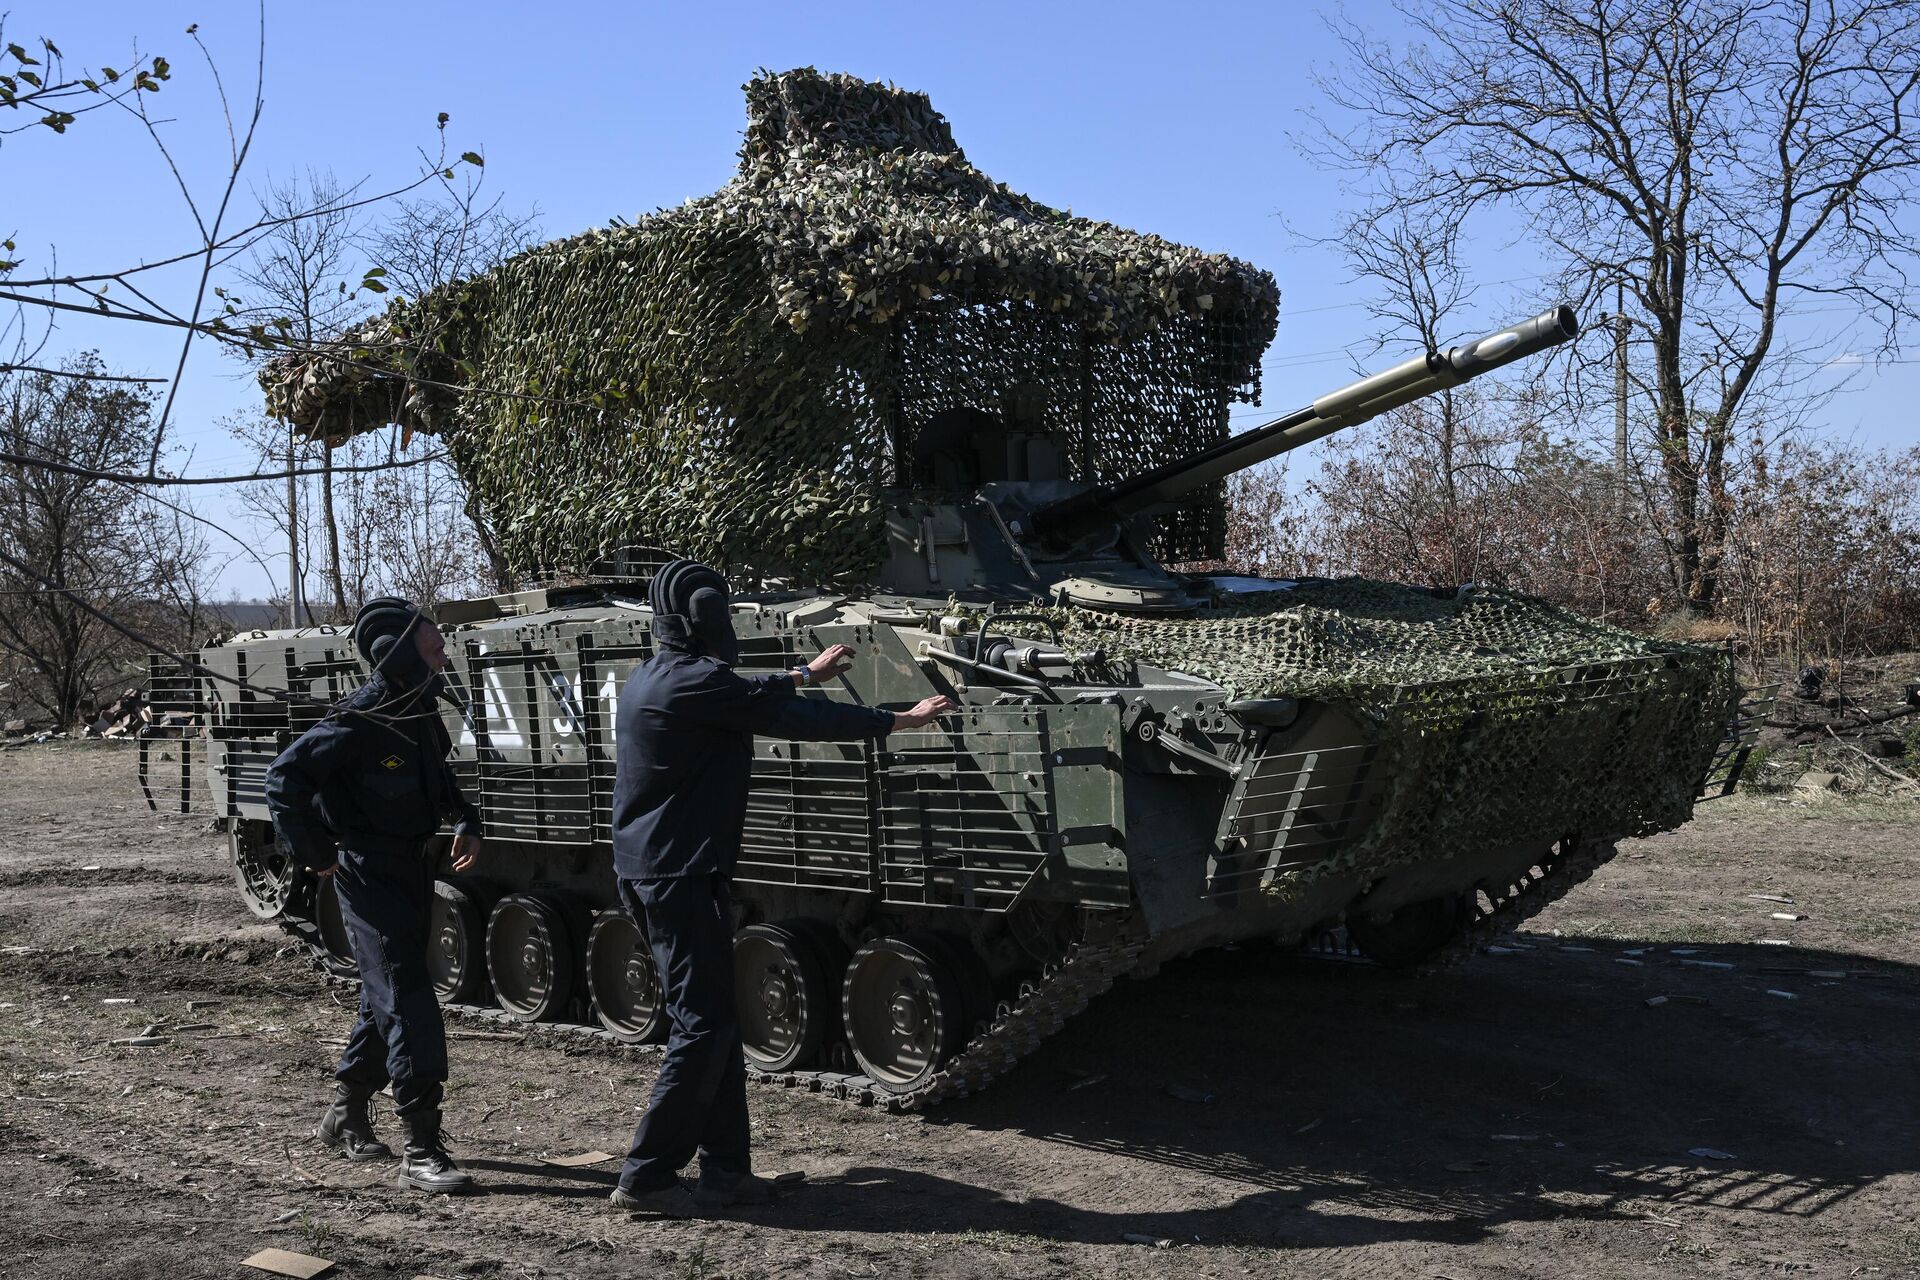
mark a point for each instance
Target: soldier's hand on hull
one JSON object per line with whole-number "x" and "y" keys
{"x": 466, "y": 848}
{"x": 836, "y": 661}
{"x": 923, "y": 712}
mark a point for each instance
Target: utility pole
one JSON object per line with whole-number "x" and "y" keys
{"x": 1620, "y": 394}
{"x": 293, "y": 535}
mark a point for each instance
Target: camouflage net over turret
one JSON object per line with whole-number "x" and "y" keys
{"x": 736, "y": 379}
{"x": 1499, "y": 719}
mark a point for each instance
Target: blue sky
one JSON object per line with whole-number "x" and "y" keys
{"x": 1169, "y": 118}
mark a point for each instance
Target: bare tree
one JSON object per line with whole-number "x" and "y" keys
{"x": 1262, "y": 527}
{"x": 296, "y": 277}
{"x": 423, "y": 245}
{"x": 78, "y": 534}
{"x": 199, "y": 311}
{"x": 171, "y": 542}
{"x": 1415, "y": 263}
{"x": 280, "y": 509}
{"x": 432, "y": 555}
{"x": 297, "y": 241}
{"x": 1723, "y": 160}
{"x": 426, "y": 243}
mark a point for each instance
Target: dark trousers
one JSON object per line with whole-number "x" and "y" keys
{"x": 700, "y": 1096}
{"x": 386, "y": 902}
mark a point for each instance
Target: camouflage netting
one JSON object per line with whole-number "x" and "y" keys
{"x": 738, "y": 378}
{"x": 1499, "y": 719}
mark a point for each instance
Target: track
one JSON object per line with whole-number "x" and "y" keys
{"x": 1491, "y": 916}
{"x": 1088, "y": 970}
{"x": 1064, "y": 990}
{"x": 1570, "y": 864}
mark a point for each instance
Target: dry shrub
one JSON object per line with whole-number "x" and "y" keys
{"x": 1822, "y": 558}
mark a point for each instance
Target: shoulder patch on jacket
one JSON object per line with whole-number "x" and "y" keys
{"x": 392, "y": 762}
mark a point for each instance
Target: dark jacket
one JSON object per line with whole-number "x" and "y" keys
{"x": 685, "y": 738}
{"x": 372, "y": 775}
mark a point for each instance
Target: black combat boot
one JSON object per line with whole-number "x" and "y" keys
{"x": 346, "y": 1125}
{"x": 426, "y": 1166}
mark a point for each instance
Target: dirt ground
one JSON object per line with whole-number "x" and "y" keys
{"x": 1527, "y": 1115}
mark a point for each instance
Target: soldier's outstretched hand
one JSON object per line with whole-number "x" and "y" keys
{"x": 923, "y": 712}
{"x": 836, "y": 661}
{"x": 466, "y": 848}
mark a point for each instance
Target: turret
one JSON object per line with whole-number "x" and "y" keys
{"x": 1423, "y": 375}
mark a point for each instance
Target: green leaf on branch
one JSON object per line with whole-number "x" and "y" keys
{"x": 373, "y": 285}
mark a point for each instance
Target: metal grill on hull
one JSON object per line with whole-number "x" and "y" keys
{"x": 965, "y": 816}
{"x": 1730, "y": 758}
{"x": 809, "y": 817}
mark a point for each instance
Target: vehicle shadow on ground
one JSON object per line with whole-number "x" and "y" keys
{"x": 1352, "y": 1107}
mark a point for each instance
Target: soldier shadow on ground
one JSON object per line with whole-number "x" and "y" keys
{"x": 1355, "y": 1108}
{"x": 520, "y": 1178}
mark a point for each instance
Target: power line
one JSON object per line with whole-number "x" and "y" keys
{"x": 72, "y": 373}
{"x": 118, "y": 477}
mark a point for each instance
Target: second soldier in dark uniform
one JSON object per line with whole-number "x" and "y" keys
{"x": 685, "y": 752}
{"x": 372, "y": 779}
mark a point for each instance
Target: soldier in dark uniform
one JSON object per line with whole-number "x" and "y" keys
{"x": 372, "y": 777}
{"x": 685, "y": 749}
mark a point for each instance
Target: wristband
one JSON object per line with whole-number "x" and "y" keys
{"x": 803, "y": 675}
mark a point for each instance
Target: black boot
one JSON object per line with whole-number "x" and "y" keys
{"x": 346, "y": 1125}
{"x": 426, "y": 1166}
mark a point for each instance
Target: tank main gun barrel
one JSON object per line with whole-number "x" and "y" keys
{"x": 1423, "y": 375}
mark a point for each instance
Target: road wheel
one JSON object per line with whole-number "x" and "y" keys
{"x": 784, "y": 998}
{"x": 530, "y": 957}
{"x": 454, "y": 938}
{"x": 263, "y": 869}
{"x": 1408, "y": 937}
{"x": 970, "y": 973}
{"x": 624, "y": 981}
{"x": 904, "y": 1012}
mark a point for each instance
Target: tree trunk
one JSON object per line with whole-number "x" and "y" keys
{"x": 1716, "y": 519}
{"x": 497, "y": 567}
{"x": 341, "y": 611}
{"x": 1457, "y": 571}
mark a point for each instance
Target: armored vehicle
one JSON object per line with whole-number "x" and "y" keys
{"x": 963, "y": 433}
